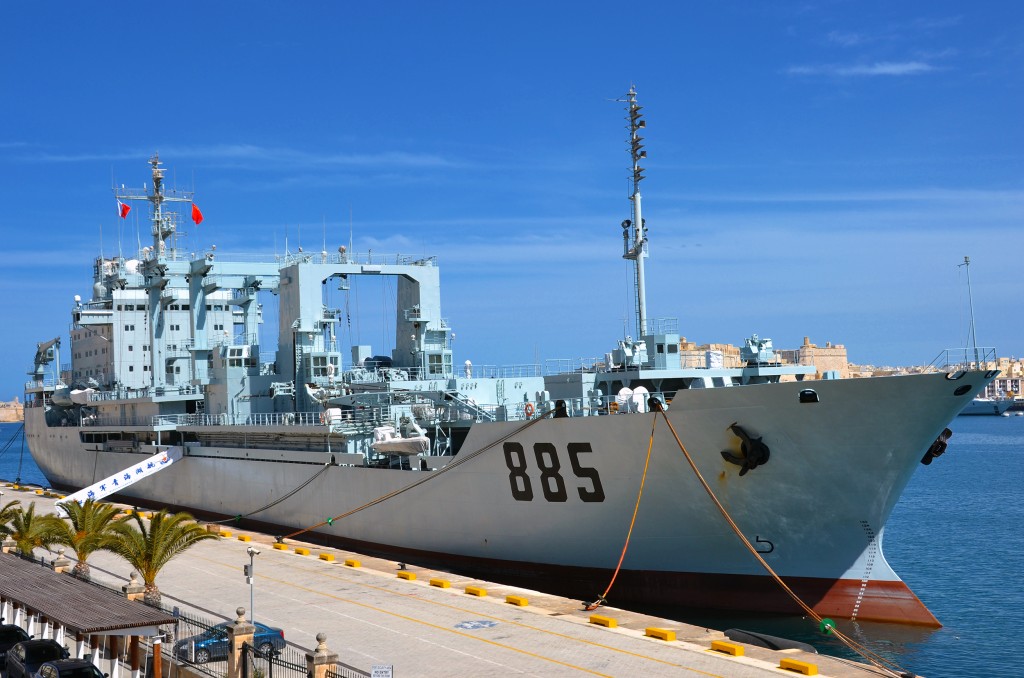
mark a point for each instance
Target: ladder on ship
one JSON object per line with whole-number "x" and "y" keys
{"x": 468, "y": 405}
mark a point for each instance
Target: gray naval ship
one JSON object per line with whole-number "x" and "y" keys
{"x": 527, "y": 475}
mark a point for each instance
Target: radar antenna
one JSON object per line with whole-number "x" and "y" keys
{"x": 634, "y": 231}
{"x": 165, "y": 223}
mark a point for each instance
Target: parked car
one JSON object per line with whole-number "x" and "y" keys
{"x": 10, "y": 635}
{"x": 213, "y": 643}
{"x": 69, "y": 668}
{"x": 25, "y": 658}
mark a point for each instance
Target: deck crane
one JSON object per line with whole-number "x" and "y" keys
{"x": 46, "y": 353}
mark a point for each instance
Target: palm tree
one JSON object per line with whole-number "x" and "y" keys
{"x": 6, "y": 515}
{"x": 30, "y": 531}
{"x": 149, "y": 548}
{"x": 86, "y": 530}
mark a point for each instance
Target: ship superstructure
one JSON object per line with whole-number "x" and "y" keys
{"x": 528, "y": 470}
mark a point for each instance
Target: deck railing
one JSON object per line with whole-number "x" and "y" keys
{"x": 975, "y": 358}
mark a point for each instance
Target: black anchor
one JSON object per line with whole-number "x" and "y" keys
{"x": 755, "y": 452}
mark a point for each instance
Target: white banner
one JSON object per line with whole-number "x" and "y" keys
{"x": 123, "y": 479}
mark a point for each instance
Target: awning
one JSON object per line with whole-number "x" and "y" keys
{"x": 77, "y": 605}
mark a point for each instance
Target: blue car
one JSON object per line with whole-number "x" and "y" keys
{"x": 213, "y": 643}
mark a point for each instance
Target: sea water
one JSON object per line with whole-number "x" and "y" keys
{"x": 15, "y": 461}
{"x": 955, "y": 538}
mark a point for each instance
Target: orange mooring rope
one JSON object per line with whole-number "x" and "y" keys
{"x": 880, "y": 662}
{"x": 643, "y": 479}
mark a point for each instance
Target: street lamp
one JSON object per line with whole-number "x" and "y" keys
{"x": 249, "y": 576}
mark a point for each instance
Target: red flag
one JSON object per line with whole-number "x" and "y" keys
{"x": 123, "y": 209}
{"x": 197, "y": 216}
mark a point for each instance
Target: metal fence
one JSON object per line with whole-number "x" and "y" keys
{"x": 346, "y": 671}
{"x": 198, "y": 640}
{"x": 266, "y": 660}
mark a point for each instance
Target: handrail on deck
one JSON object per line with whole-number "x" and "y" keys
{"x": 974, "y": 358}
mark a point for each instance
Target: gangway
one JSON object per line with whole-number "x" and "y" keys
{"x": 122, "y": 479}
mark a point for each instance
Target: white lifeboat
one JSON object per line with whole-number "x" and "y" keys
{"x": 80, "y": 396}
{"x": 386, "y": 440}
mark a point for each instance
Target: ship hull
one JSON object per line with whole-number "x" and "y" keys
{"x": 548, "y": 504}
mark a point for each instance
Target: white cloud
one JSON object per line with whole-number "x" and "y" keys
{"x": 888, "y": 68}
{"x": 844, "y": 39}
{"x": 877, "y": 68}
{"x": 271, "y": 157}
{"x": 966, "y": 195}
{"x": 935, "y": 24}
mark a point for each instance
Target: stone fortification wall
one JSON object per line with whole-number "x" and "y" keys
{"x": 11, "y": 411}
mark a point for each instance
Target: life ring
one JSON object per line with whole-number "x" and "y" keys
{"x": 529, "y": 409}
{"x": 613, "y": 407}
{"x": 323, "y": 417}
{"x": 330, "y": 369}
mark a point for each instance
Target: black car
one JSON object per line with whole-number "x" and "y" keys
{"x": 10, "y": 635}
{"x": 69, "y": 668}
{"x": 26, "y": 657}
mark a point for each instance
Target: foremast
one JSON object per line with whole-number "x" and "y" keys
{"x": 164, "y": 223}
{"x": 634, "y": 231}
{"x": 162, "y": 271}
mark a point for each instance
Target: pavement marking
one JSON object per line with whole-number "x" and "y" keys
{"x": 355, "y": 580}
{"x": 506, "y": 620}
{"x": 387, "y": 629}
{"x": 434, "y": 626}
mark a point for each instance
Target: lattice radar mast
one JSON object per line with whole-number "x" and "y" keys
{"x": 165, "y": 223}
{"x": 634, "y": 231}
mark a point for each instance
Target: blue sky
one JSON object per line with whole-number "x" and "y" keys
{"x": 815, "y": 168}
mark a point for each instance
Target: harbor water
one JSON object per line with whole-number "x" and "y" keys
{"x": 955, "y": 537}
{"x": 15, "y": 461}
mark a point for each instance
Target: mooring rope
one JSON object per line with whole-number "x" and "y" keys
{"x": 10, "y": 442}
{"x": 603, "y": 598}
{"x": 14, "y": 436}
{"x": 238, "y": 517}
{"x": 459, "y": 460}
{"x": 877, "y": 660}
{"x": 21, "y": 457}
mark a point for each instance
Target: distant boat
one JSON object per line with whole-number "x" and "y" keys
{"x": 992, "y": 407}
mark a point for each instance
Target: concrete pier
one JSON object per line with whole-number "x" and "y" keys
{"x": 430, "y": 623}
